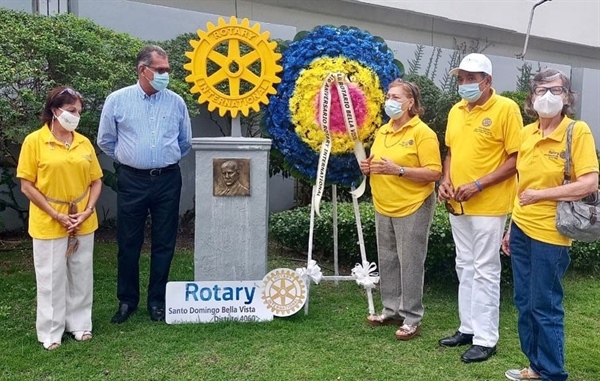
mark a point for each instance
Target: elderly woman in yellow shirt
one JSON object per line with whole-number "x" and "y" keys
{"x": 403, "y": 167}
{"x": 539, "y": 253}
{"x": 61, "y": 177}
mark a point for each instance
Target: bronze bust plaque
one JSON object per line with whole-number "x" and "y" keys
{"x": 231, "y": 177}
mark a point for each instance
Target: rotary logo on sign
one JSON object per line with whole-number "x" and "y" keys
{"x": 284, "y": 292}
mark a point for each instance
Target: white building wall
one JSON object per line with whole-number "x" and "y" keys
{"x": 572, "y": 21}
{"x": 573, "y": 40}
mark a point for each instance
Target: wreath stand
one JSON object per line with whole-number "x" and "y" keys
{"x": 363, "y": 273}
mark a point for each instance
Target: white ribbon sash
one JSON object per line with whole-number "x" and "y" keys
{"x": 341, "y": 81}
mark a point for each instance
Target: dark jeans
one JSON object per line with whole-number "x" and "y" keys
{"x": 139, "y": 193}
{"x": 538, "y": 269}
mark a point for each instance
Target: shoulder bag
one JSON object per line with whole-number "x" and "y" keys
{"x": 579, "y": 220}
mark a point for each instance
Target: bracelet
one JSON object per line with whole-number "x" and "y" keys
{"x": 91, "y": 207}
{"x": 478, "y": 185}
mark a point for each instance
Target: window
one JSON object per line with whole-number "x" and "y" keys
{"x": 52, "y": 7}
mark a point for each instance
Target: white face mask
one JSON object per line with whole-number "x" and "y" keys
{"x": 548, "y": 105}
{"x": 67, "y": 120}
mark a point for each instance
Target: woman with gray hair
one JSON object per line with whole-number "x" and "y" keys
{"x": 539, "y": 253}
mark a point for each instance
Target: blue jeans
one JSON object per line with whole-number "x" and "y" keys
{"x": 538, "y": 269}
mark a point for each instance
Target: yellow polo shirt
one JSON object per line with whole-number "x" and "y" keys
{"x": 480, "y": 141}
{"x": 59, "y": 173}
{"x": 540, "y": 165}
{"x": 413, "y": 145}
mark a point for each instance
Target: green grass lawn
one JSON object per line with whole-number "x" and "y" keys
{"x": 332, "y": 342}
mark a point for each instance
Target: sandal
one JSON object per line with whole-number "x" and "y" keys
{"x": 407, "y": 332}
{"x": 381, "y": 319}
{"x": 82, "y": 335}
{"x": 51, "y": 347}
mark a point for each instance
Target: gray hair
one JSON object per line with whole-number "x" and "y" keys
{"x": 144, "y": 57}
{"x": 546, "y": 76}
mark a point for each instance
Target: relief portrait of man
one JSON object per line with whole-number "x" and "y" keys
{"x": 231, "y": 177}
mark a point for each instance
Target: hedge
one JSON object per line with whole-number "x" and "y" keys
{"x": 290, "y": 229}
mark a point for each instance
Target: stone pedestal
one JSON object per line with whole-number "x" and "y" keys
{"x": 231, "y": 231}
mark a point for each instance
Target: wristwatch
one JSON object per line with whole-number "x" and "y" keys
{"x": 401, "y": 171}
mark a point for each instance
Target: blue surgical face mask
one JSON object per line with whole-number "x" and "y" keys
{"x": 393, "y": 109}
{"x": 160, "y": 81}
{"x": 470, "y": 92}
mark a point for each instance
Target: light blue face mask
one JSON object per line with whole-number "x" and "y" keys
{"x": 393, "y": 109}
{"x": 470, "y": 92}
{"x": 160, "y": 81}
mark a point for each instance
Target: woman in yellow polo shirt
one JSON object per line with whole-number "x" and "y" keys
{"x": 61, "y": 176}
{"x": 403, "y": 167}
{"x": 539, "y": 253}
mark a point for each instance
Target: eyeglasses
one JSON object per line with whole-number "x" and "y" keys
{"x": 160, "y": 70}
{"x": 451, "y": 210}
{"x": 555, "y": 90}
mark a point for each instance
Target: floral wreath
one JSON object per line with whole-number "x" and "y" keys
{"x": 291, "y": 117}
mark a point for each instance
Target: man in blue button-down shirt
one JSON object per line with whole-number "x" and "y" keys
{"x": 146, "y": 129}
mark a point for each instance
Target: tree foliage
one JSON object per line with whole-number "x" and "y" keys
{"x": 519, "y": 97}
{"x": 41, "y": 52}
{"x": 437, "y": 104}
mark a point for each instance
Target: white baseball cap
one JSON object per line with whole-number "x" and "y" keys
{"x": 474, "y": 63}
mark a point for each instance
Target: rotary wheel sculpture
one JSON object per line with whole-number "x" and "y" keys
{"x": 249, "y": 63}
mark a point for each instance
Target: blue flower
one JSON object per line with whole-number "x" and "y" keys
{"x": 323, "y": 41}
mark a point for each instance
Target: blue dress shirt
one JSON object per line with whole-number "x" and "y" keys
{"x": 145, "y": 131}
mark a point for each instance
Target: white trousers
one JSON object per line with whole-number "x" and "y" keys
{"x": 478, "y": 240}
{"x": 64, "y": 287}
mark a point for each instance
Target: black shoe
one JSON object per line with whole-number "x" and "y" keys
{"x": 456, "y": 340}
{"x": 478, "y": 353}
{"x": 157, "y": 313}
{"x": 124, "y": 312}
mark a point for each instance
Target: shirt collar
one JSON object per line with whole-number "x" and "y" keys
{"x": 559, "y": 132}
{"x": 47, "y": 136}
{"x": 388, "y": 129}
{"x": 142, "y": 94}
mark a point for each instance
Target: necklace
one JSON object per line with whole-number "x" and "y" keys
{"x": 385, "y": 143}
{"x": 66, "y": 143}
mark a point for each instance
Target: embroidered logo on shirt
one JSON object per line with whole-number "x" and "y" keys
{"x": 486, "y": 122}
{"x": 552, "y": 154}
{"x": 407, "y": 143}
{"x": 88, "y": 157}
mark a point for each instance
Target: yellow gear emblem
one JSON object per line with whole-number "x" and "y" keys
{"x": 249, "y": 64}
{"x": 284, "y": 292}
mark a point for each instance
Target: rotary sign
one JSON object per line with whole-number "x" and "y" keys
{"x": 233, "y": 67}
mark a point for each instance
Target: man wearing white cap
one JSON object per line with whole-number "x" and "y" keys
{"x": 478, "y": 187}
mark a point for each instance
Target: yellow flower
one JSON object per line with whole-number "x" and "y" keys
{"x": 304, "y": 108}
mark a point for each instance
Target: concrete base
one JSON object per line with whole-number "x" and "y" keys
{"x": 231, "y": 232}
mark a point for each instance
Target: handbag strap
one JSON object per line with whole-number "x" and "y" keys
{"x": 567, "y": 171}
